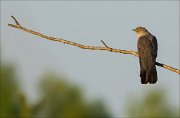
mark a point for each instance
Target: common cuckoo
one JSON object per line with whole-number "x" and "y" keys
{"x": 147, "y": 48}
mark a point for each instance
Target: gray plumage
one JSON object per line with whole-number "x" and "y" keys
{"x": 147, "y": 49}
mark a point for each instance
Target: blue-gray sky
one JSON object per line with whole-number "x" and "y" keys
{"x": 110, "y": 76}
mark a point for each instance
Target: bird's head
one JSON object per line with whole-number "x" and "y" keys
{"x": 140, "y": 31}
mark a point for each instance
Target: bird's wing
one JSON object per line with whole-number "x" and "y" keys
{"x": 154, "y": 44}
{"x": 146, "y": 52}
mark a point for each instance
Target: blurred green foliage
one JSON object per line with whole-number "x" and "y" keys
{"x": 58, "y": 99}
{"x": 7, "y": 88}
{"x": 12, "y": 103}
{"x": 62, "y": 99}
{"x": 152, "y": 105}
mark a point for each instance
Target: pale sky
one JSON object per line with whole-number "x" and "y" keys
{"x": 108, "y": 76}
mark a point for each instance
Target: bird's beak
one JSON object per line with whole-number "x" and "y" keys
{"x": 134, "y": 30}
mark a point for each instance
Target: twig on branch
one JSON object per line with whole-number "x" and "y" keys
{"x": 17, "y": 23}
{"x": 104, "y": 44}
{"x": 105, "y": 47}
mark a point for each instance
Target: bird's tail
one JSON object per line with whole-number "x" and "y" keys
{"x": 143, "y": 77}
{"x": 151, "y": 76}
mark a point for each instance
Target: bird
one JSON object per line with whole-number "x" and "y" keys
{"x": 147, "y": 49}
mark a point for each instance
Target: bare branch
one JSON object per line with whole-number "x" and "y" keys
{"x": 106, "y": 48}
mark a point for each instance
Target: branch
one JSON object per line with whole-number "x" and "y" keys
{"x": 105, "y": 47}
